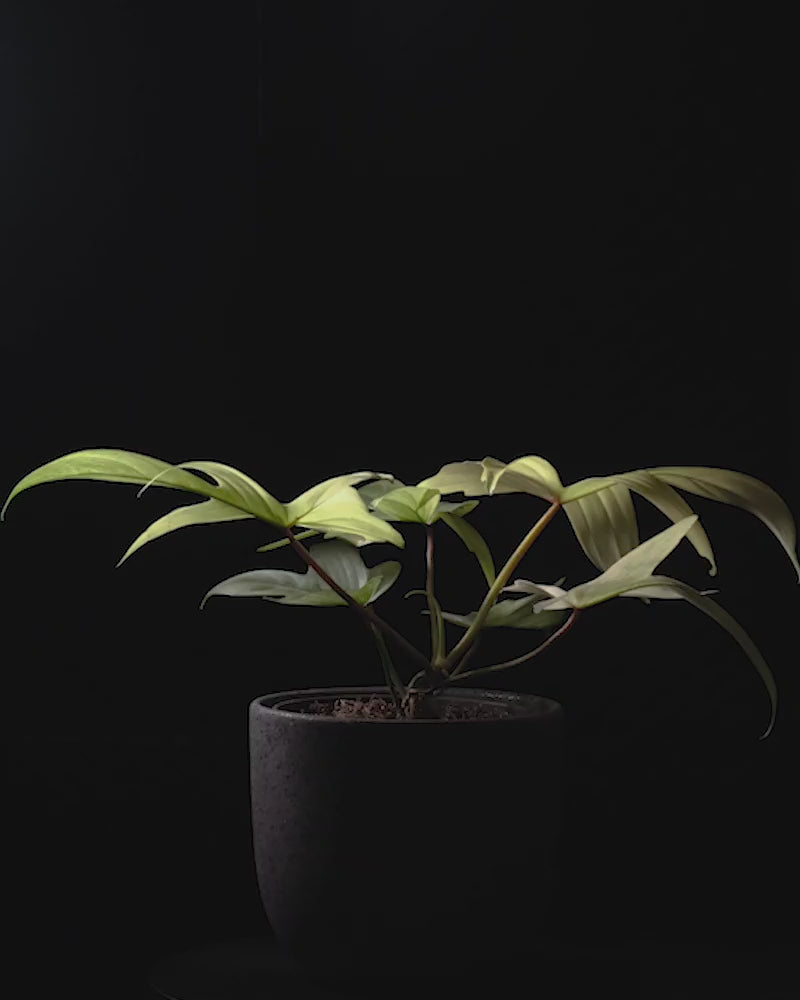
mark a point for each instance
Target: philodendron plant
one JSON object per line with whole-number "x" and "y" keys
{"x": 351, "y": 511}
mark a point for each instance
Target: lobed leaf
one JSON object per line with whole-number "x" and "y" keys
{"x": 409, "y": 503}
{"x": 518, "y": 613}
{"x": 339, "y": 559}
{"x": 473, "y": 479}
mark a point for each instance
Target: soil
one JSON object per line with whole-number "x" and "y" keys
{"x": 378, "y": 707}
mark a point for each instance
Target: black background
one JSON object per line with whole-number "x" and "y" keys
{"x": 310, "y": 238}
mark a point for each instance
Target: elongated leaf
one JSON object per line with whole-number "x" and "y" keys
{"x": 207, "y": 512}
{"x": 739, "y": 490}
{"x": 283, "y": 542}
{"x": 235, "y": 488}
{"x": 729, "y": 487}
{"x": 112, "y": 466}
{"x": 665, "y": 587}
{"x": 633, "y": 566}
{"x": 531, "y": 474}
{"x": 671, "y": 503}
{"x": 604, "y": 524}
{"x": 615, "y": 534}
{"x": 473, "y": 540}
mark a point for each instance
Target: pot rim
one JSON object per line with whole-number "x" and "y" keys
{"x": 527, "y": 706}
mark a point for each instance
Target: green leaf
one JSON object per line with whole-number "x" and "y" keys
{"x": 665, "y": 587}
{"x": 345, "y": 515}
{"x": 112, "y": 466}
{"x": 372, "y": 491}
{"x": 235, "y": 488}
{"x": 735, "y": 488}
{"x": 207, "y": 512}
{"x": 456, "y": 509}
{"x": 604, "y": 524}
{"x": 304, "y": 504}
{"x": 473, "y": 479}
{"x": 632, "y": 567}
{"x": 531, "y": 474}
{"x": 474, "y": 542}
{"x": 739, "y": 490}
{"x": 409, "y": 503}
{"x": 283, "y": 542}
{"x": 511, "y": 614}
{"x": 340, "y": 560}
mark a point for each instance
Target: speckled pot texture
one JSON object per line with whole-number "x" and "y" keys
{"x": 431, "y": 840}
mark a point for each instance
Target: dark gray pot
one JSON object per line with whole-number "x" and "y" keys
{"x": 426, "y": 841}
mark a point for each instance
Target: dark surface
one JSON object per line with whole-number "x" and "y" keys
{"x": 371, "y": 236}
{"x": 254, "y": 969}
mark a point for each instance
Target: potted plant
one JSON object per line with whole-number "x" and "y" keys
{"x": 411, "y": 827}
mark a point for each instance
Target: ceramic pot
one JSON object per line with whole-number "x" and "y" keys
{"x": 398, "y": 847}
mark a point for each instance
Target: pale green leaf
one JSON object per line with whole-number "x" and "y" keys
{"x": 729, "y": 487}
{"x": 345, "y": 515}
{"x": 372, "y": 491}
{"x": 474, "y": 542}
{"x": 408, "y": 503}
{"x": 605, "y": 525}
{"x": 341, "y": 561}
{"x": 283, "y": 542}
{"x": 739, "y": 490}
{"x": 473, "y": 479}
{"x": 380, "y": 579}
{"x": 517, "y": 613}
{"x": 531, "y": 474}
{"x": 302, "y": 505}
{"x": 233, "y": 487}
{"x": 207, "y": 512}
{"x": 633, "y": 566}
{"x": 112, "y": 466}
{"x": 664, "y": 587}
{"x": 281, "y": 586}
{"x": 456, "y": 509}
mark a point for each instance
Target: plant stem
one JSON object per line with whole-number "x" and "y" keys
{"x": 437, "y": 623}
{"x": 364, "y": 611}
{"x": 393, "y": 682}
{"x": 502, "y": 579}
{"x": 526, "y": 656}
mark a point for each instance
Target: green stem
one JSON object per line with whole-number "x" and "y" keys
{"x": 364, "y": 611}
{"x": 393, "y": 682}
{"x": 526, "y": 656}
{"x": 437, "y": 623}
{"x": 466, "y": 641}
